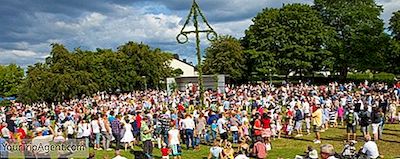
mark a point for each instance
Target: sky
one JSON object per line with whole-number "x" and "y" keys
{"x": 27, "y": 27}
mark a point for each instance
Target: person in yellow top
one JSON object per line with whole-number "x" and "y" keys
{"x": 317, "y": 122}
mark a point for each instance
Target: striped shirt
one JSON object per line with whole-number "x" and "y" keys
{"x": 116, "y": 127}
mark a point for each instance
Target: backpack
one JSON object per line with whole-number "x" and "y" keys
{"x": 350, "y": 118}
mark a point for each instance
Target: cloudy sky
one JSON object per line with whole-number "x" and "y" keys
{"x": 29, "y": 27}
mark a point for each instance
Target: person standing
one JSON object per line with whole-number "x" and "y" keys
{"x": 105, "y": 129}
{"x": 127, "y": 139}
{"x": 201, "y": 123}
{"x": 116, "y": 128}
{"x": 365, "y": 121}
{"x": 317, "y": 122}
{"x": 86, "y": 130}
{"x": 376, "y": 117}
{"x": 174, "y": 142}
{"x": 188, "y": 124}
{"x": 96, "y": 131}
{"x": 298, "y": 119}
{"x": 351, "y": 124}
{"x": 234, "y": 128}
{"x": 3, "y": 149}
{"x": 145, "y": 135}
{"x": 222, "y": 128}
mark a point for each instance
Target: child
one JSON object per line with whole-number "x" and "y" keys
{"x": 196, "y": 139}
{"x": 165, "y": 151}
{"x": 273, "y": 130}
{"x": 214, "y": 128}
{"x": 333, "y": 118}
{"x": 245, "y": 129}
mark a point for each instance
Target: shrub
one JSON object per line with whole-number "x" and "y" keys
{"x": 384, "y": 77}
{"x": 359, "y": 77}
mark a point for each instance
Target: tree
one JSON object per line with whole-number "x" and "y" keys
{"x": 225, "y": 56}
{"x": 394, "y": 23}
{"x": 10, "y": 79}
{"x": 290, "y": 39}
{"x": 152, "y": 64}
{"x": 67, "y": 75}
{"x": 393, "y": 48}
{"x": 393, "y": 57}
{"x": 359, "y": 33}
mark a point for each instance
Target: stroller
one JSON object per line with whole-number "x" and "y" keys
{"x": 349, "y": 150}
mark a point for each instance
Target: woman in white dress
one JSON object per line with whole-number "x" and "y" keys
{"x": 128, "y": 135}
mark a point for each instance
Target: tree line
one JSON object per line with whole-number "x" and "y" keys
{"x": 72, "y": 74}
{"x": 339, "y": 36}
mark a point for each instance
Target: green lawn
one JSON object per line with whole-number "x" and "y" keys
{"x": 389, "y": 146}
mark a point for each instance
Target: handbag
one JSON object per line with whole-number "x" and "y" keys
{"x": 269, "y": 146}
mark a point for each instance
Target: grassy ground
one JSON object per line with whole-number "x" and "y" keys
{"x": 389, "y": 146}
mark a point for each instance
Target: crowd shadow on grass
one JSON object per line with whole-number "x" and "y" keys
{"x": 393, "y": 134}
{"x": 338, "y": 138}
{"x": 139, "y": 154}
{"x": 391, "y": 141}
{"x": 302, "y": 139}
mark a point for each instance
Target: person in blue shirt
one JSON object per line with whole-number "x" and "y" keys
{"x": 226, "y": 104}
{"x": 214, "y": 127}
{"x": 111, "y": 117}
{"x": 3, "y": 151}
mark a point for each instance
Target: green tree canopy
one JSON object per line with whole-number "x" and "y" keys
{"x": 359, "y": 33}
{"x": 67, "y": 74}
{"x": 10, "y": 79}
{"x": 394, "y": 23}
{"x": 225, "y": 56}
{"x": 288, "y": 39}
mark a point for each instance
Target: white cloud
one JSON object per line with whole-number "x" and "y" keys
{"x": 22, "y": 53}
{"x": 140, "y": 23}
{"x": 389, "y": 6}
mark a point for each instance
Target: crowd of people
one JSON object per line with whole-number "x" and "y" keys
{"x": 249, "y": 116}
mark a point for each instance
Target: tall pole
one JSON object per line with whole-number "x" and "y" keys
{"x": 211, "y": 36}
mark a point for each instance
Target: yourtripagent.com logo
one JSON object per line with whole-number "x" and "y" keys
{"x": 44, "y": 148}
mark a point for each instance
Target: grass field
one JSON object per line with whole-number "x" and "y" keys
{"x": 389, "y": 146}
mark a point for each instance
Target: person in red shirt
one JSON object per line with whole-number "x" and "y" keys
{"x": 138, "y": 119}
{"x": 266, "y": 129}
{"x": 257, "y": 126}
{"x": 181, "y": 108}
{"x": 165, "y": 152}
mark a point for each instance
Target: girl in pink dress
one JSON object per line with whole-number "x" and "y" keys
{"x": 340, "y": 114}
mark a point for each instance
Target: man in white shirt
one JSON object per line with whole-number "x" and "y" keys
{"x": 222, "y": 127}
{"x": 370, "y": 148}
{"x": 42, "y": 141}
{"x": 188, "y": 124}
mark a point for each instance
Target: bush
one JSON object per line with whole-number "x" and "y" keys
{"x": 379, "y": 77}
{"x": 359, "y": 77}
{"x": 384, "y": 77}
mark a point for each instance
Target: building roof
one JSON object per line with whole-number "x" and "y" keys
{"x": 176, "y": 57}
